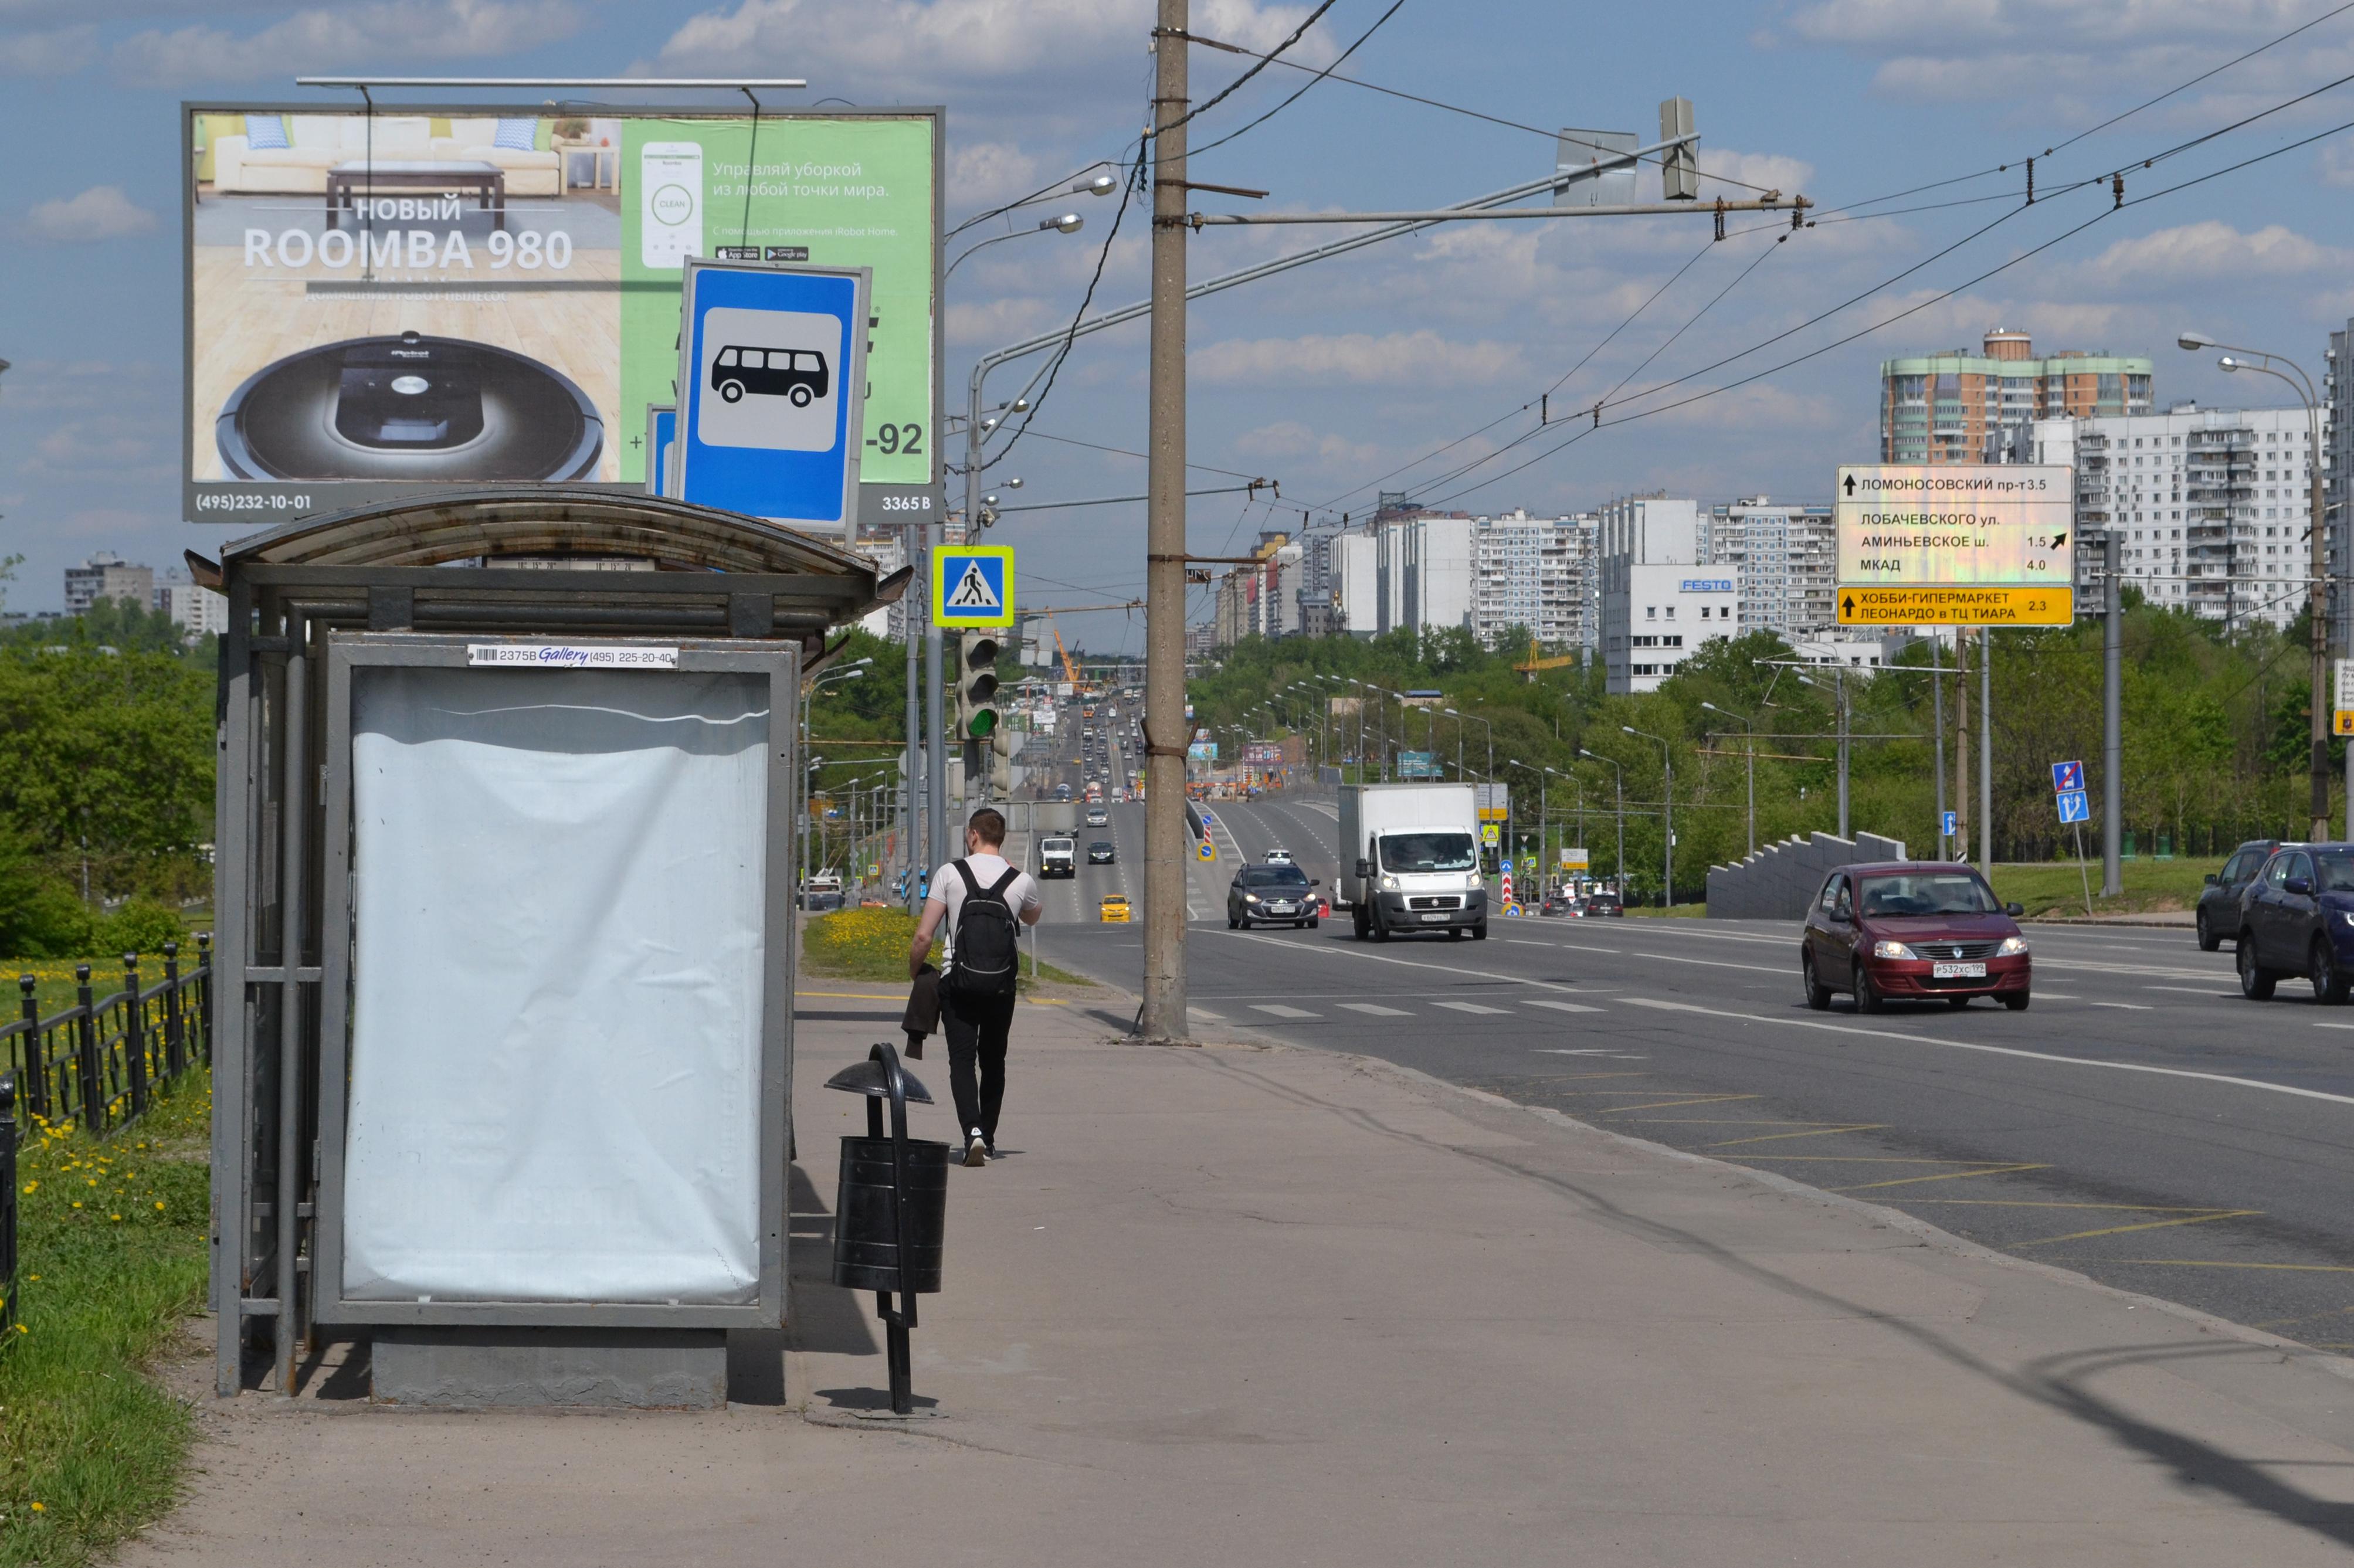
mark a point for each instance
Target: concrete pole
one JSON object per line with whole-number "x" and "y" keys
{"x": 2112, "y": 723}
{"x": 1164, "y": 1017}
{"x": 1937, "y": 726}
{"x": 1840, "y": 677}
{"x": 911, "y": 545}
{"x": 1985, "y": 749}
{"x": 1962, "y": 742}
{"x": 2319, "y": 615}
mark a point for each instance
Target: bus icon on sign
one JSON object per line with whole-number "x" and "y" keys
{"x": 799, "y": 376}
{"x": 2067, "y": 776}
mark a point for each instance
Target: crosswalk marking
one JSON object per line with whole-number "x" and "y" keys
{"x": 1204, "y": 1014}
{"x": 1280, "y": 1010}
{"x": 1471, "y": 1007}
{"x": 1374, "y": 1009}
{"x": 1560, "y": 1006}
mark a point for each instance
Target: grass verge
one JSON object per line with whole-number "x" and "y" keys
{"x": 871, "y": 945}
{"x": 2058, "y": 888}
{"x": 112, "y": 1259}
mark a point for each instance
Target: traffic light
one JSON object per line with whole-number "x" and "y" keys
{"x": 975, "y": 704}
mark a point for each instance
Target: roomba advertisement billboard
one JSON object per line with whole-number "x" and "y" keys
{"x": 383, "y": 303}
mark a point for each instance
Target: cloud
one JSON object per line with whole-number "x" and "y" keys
{"x": 102, "y": 212}
{"x": 1420, "y": 358}
{"x": 912, "y": 51}
{"x": 1767, "y": 171}
{"x": 984, "y": 173}
{"x": 1900, "y": 23}
{"x": 1290, "y": 438}
{"x": 2209, "y": 251}
{"x": 369, "y": 33}
{"x": 56, "y": 51}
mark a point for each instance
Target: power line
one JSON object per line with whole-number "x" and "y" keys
{"x": 1319, "y": 76}
{"x": 1258, "y": 65}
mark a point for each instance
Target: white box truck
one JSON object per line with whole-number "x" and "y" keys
{"x": 1057, "y": 856}
{"x": 1410, "y": 860}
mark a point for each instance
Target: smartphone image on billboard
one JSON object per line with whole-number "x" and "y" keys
{"x": 671, "y": 181}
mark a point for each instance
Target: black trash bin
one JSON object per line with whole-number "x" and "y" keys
{"x": 866, "y": 1239}
{"x": 890, "y": 1212}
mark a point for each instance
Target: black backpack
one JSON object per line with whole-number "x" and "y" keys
{"x": 988, "y": 940}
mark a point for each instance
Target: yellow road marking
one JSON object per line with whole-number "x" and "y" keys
{"x": 2122, "y": 1208}
{"x": 1945, "y": 1176}
{"x": 2145, "y": 1225}
{"x": 1817, "y": 1132}
{"x": 1695, "y": 1100}
{"x": 1877, "y": 1160}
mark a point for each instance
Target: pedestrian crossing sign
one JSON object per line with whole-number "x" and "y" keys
{"x": 972, "y": 584}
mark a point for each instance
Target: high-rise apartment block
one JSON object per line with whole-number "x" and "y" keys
{"x": 2211, "y": 506}
{"x": 1659, "y": 601}
{"x": 1963, "y": 408}
{"x": 1785, "y": 560}
{"x": 195, "y": 609}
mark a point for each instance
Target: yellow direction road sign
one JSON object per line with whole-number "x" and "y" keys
{"x": 2004, "y": 532}
{"x": 1955, "y": 605}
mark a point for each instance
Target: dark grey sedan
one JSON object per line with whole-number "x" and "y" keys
{"x": 1271, "y": 895}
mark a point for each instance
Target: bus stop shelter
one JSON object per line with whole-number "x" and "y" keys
{"x": 505, "y": 848}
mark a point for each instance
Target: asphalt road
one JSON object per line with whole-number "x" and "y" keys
{"x": 2141, "y": 1123}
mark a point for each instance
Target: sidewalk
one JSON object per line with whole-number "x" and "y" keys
{"x": 1252, "y": 1305}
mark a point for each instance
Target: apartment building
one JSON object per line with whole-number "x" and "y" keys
{"x": 1785, "y": 560}
{"x": 1964, "y": 407}
{"x": 195, "y": 609}
{"x": 2211, "y": 506}
{"x": 108, "y": 576}
{"x": 1529, "y": 577}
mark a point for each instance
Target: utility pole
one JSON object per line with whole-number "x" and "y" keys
{"x": 1164, "y": 1016}
{"x": 1962, "y": 741}
{"x": 910, "y": 536}
{"x": 2113, "y": 722}
{"x": 1840, "y": 686}
{"x": 1937, "y": 726}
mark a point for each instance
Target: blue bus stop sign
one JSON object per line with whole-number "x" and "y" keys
{"x": 772, "y": 390}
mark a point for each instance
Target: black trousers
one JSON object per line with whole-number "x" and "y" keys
{"x": 977, "y": 1031}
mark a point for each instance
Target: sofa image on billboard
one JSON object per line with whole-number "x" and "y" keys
{"x": 411, "y": 407}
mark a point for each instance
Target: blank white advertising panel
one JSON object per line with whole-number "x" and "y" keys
{"x": 557, "y": 908}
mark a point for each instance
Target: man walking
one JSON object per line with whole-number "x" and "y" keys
{"x": 975, "y": 904}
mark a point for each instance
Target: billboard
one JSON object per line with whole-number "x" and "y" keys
{"x": 1262, "y": 753}
{"x": 425, "y": 297}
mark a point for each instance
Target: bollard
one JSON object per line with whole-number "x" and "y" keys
{"x": 890, "y": 1209}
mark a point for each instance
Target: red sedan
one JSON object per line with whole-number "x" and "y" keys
{"x": 1913, "y": 931}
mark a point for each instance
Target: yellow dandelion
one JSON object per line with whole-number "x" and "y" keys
{"x": 40, "y": 1508}
{"x": 159, "y": 1205}
{"x": 77, "y": 1206}
{"x": 114, "y": 1216}
{"x": 32, "y": 1186}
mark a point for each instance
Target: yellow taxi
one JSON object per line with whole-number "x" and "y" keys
{"x": 1113, "y": 908}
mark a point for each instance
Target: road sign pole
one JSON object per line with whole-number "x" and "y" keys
{"x": 2082, "y": 875}
{"x": 1962, "y": 743}
{"x": 1164, "y": 1016}
{"x": 1985, "y": 749}
{"x": 2112, "y": 723}
{"x": 910, "y": 535}
{"x": 1839, "y": 675}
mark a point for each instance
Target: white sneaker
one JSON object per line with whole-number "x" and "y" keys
{"x": 976, "y": 1152}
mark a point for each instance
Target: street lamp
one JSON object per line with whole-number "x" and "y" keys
{"x": 1749, "y": 729}
{"x": 2317, "y": 601}
{"x": 1839, "y": 676}
{"x": 1475, "y": 719}
{"x": 1069, "y": 223}
{"x": 1618, "y": 866}
{"x": 1667, "y": 814}
{"x": 1572, "y": 779}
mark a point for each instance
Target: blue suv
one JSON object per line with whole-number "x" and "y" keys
{"x": 2298, "y": 918}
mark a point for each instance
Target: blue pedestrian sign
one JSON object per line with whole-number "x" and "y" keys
{"x": 661, "y": 440}
{"x": 772, "y": 390}
{"x": 1953, "y": 824}
{"x": 972, "y": 584}
{"x": 2067, "y": 776}
{"x": 2074, "y": 806}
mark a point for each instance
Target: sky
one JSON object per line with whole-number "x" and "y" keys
{"x": 1391, "y": 369}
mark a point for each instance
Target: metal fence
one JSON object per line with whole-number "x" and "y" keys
{"x": 96, "y": 1064}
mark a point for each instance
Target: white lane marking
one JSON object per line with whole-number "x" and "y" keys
{"x": 2319, "y": 1024}
{"x": 2124, "y": 1006}
{"x": 1523, "y": 942}
{"x": 1995, "y": 1050}
{"x": 1564, "y": 1050}
{"x": 1559, "y": 1006}
{"x": 2056, "y": 996}
{"x": 1279, "y": 1010}
{"x": 2193, "y": 989}
{"x": 1472, "y": 1007}
{"x": 1374, "y": 1009}
{"x": 1204, "y": 1014}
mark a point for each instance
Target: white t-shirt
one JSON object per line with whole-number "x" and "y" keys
{"x": 948, "y": 888}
